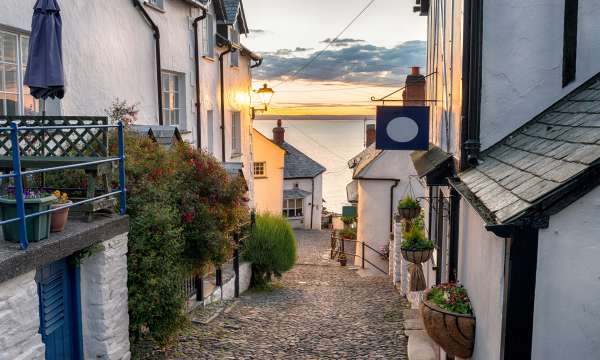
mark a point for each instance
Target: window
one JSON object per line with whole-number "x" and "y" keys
{"x": 234, "y": 36}
{"x": 158, "y": 3}
{"x": 210, "y": 129}
{"x": 173, "y": 96}
{"x": 293, "y": 208}
{"x": 14, "y": 96}
{"x": 208, "y": 36}
{"x": 236, "y": 133}
{"x": 260, "y": 169}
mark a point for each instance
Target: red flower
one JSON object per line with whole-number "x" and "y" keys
{"x": 188, "y": 217}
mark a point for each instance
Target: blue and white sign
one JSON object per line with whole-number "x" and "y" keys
{"x": 402, "y": 128}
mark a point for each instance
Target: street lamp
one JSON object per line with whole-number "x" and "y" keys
{"x": 265, "y": 93}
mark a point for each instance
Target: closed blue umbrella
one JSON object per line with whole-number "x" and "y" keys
{"x": 44, "y": 75}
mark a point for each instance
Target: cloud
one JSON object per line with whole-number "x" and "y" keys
{"x": 287, "y": 52}
{"x": 258, "y": 31}
{"x": 359, "y": 63}
{"x": 342, "y": 42}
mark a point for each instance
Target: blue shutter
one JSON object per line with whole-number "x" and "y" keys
{"x": 57, "y": 311}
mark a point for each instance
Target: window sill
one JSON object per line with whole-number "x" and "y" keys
{"x": 236, "y": 155}
{"x": 208, "y": 58}
{"x": 154, "y": 7}
{"x": 295, "y": 218}
{"x": 260, "y": 177}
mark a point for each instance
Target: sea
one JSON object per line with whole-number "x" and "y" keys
{"x": 330, "y": 142}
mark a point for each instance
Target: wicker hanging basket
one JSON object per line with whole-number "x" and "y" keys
{"x": 416, "y": 256}
{"x": 409, "y": 214}
{"x": 455, "y": 333}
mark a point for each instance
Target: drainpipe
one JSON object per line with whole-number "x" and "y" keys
{"x": 257, "y": 64}
{"x": 392, "y": 189}
{"x": 156, "y": 31}
{"x": 312, "y": 204}
{"x": 471, "y": 102}
{"x": 230, "y": 49}
{"x": 197, "y": 64}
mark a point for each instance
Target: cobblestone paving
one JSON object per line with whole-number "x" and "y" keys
{"x": 314, "y": 312}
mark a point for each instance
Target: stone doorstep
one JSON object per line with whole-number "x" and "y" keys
{"x": 420, "y": 346}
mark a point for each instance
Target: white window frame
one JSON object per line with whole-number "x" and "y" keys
{"x": 236, "y": 133}
{"x": 21, "y": 92}
{"x": 234, "y": 57}
{"x": 290, "y": 207}
{"x": 173, "y": 98}
{"x": 159, "y": 4}
{"x": 260, "y": 169}
{"x": 208, "y": 36}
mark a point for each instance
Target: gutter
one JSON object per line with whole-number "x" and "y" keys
{"x": 224, "y": 42}
{"x": 197, "y": 64}
{"x": 471, "y": 101}
{"x": 312, "y": 203}
{"x": 156, "y": 31}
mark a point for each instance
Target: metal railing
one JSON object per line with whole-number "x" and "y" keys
{"x": 337, "y": 248}
{"x": 18, "y": 173}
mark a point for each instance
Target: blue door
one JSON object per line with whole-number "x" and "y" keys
{"x": 58, "y": 318}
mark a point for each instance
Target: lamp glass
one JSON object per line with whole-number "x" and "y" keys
{"x": 265, "y": 93}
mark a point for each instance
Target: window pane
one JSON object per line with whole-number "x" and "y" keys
{"x": 10, "y": 79}
{"x": 31, "y": 106}
{"x": 165, "y": 80}
{"x": 8, "y": 47}
{"x": 8, "y": 104}
{"x": 175, "y": 117}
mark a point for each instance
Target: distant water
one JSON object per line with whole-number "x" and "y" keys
{"x": 329, "y": 142}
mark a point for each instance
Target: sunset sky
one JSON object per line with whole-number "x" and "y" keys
{"x": 371, "y": 58}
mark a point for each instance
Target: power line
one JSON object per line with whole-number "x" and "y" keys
{"x": 317, "y": 55}
{"x": 318, "y": 143}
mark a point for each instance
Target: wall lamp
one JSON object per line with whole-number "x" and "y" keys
{"x": 265, "y": 93}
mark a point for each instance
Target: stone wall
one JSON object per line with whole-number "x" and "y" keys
{"x": 105, "y": 319}
{"x": 20, "y": 319}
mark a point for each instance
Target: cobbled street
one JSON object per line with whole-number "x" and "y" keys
{"x": 318, "y": 310}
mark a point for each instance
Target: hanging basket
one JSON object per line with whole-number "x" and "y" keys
{"x": 455, "y": 333}
{"x": 409, "y": 214}
{"x": 416, "y": 256}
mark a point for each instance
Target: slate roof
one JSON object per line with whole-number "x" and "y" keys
{"x": 363, "y": 159}
{"x": 426, "y": 162}
{"x": 298, "y": 165}
{"x": 539, "y": 160}
{"x": 295, "y": 194}
{"x": 231, "y": 9}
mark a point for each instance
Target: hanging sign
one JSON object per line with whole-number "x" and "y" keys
{"x": 402, "y": 128}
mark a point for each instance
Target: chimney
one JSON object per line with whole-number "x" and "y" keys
{"x": 414, "y": 93}
{"x": 371, "y": 135}
{"x": 278, "y": 134}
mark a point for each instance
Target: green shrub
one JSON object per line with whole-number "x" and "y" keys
{"x": 415, "y": 239}
{"x": 271, "y": 249}
{"x": 348, "y": 233}
{"x": 408, "y": 203}
{"x": 348, "y": 219}
{"x": 451, "y": 297}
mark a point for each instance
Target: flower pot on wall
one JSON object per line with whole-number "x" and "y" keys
{"x": 38, "y": 228}
{"x": 59, "y": 218}
{"x": 455, "y": 333}
{"x": 416, "y": 256}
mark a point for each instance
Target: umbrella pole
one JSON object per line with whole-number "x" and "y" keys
{"x": 43, "y": 139}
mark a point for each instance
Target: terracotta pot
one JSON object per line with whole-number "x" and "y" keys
{"x": 455, "y": 333}
{"x": 416, "y": 256}
{"x": 343, "y": 262}
{"x": 59, "y": 218}
{"x": 409, "y": 213}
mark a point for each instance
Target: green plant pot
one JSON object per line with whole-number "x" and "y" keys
{"x": 38, "y": 228}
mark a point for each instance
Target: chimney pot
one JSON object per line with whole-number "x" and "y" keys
{"x": 279, "y": 134}
{"x": 415, "y": 70}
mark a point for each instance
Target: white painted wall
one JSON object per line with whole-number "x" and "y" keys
{"x": 20, "y": 319}
{"x": 522, "y": 60}
{"x": 105, "y": 318}
{"x": 567, "y": 295}
{"x": 481, "y": 270}
{"x": 374, "y": 198}
{"x": 317, "y": 211}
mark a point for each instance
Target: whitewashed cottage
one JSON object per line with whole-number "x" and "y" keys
{"x": 513, "y": 171}
{"x": 183, "y": 64}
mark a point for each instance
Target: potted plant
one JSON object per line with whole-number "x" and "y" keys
{"x": 38, "y": 227}
{"x": 448, "y": 319}
{"x": 348, "y": 220}
{"x": 348, "y": 234}
{"x": 416, "y": 247}
{"x": 343, "y": 259}
{"x": 408, "y": 208}
{"x": 59, "y": 218}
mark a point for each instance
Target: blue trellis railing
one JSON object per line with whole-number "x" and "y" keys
{"x": 18, "y": 173}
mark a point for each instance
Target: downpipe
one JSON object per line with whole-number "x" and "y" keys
{"x": 197, "y": 64}
{"x": 230, "y": 49}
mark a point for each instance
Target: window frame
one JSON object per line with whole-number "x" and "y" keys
{"x": 170, "y": 94}
{"x": 234, "y": 57}
{"x": 208, "y": 37}
{"x": 156, "y": 4}
{"x": 236, "y": 133}
{"x": 260, "y": 164}
{"x": 298, "y": 212}
{"x": 20, "y": 64}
